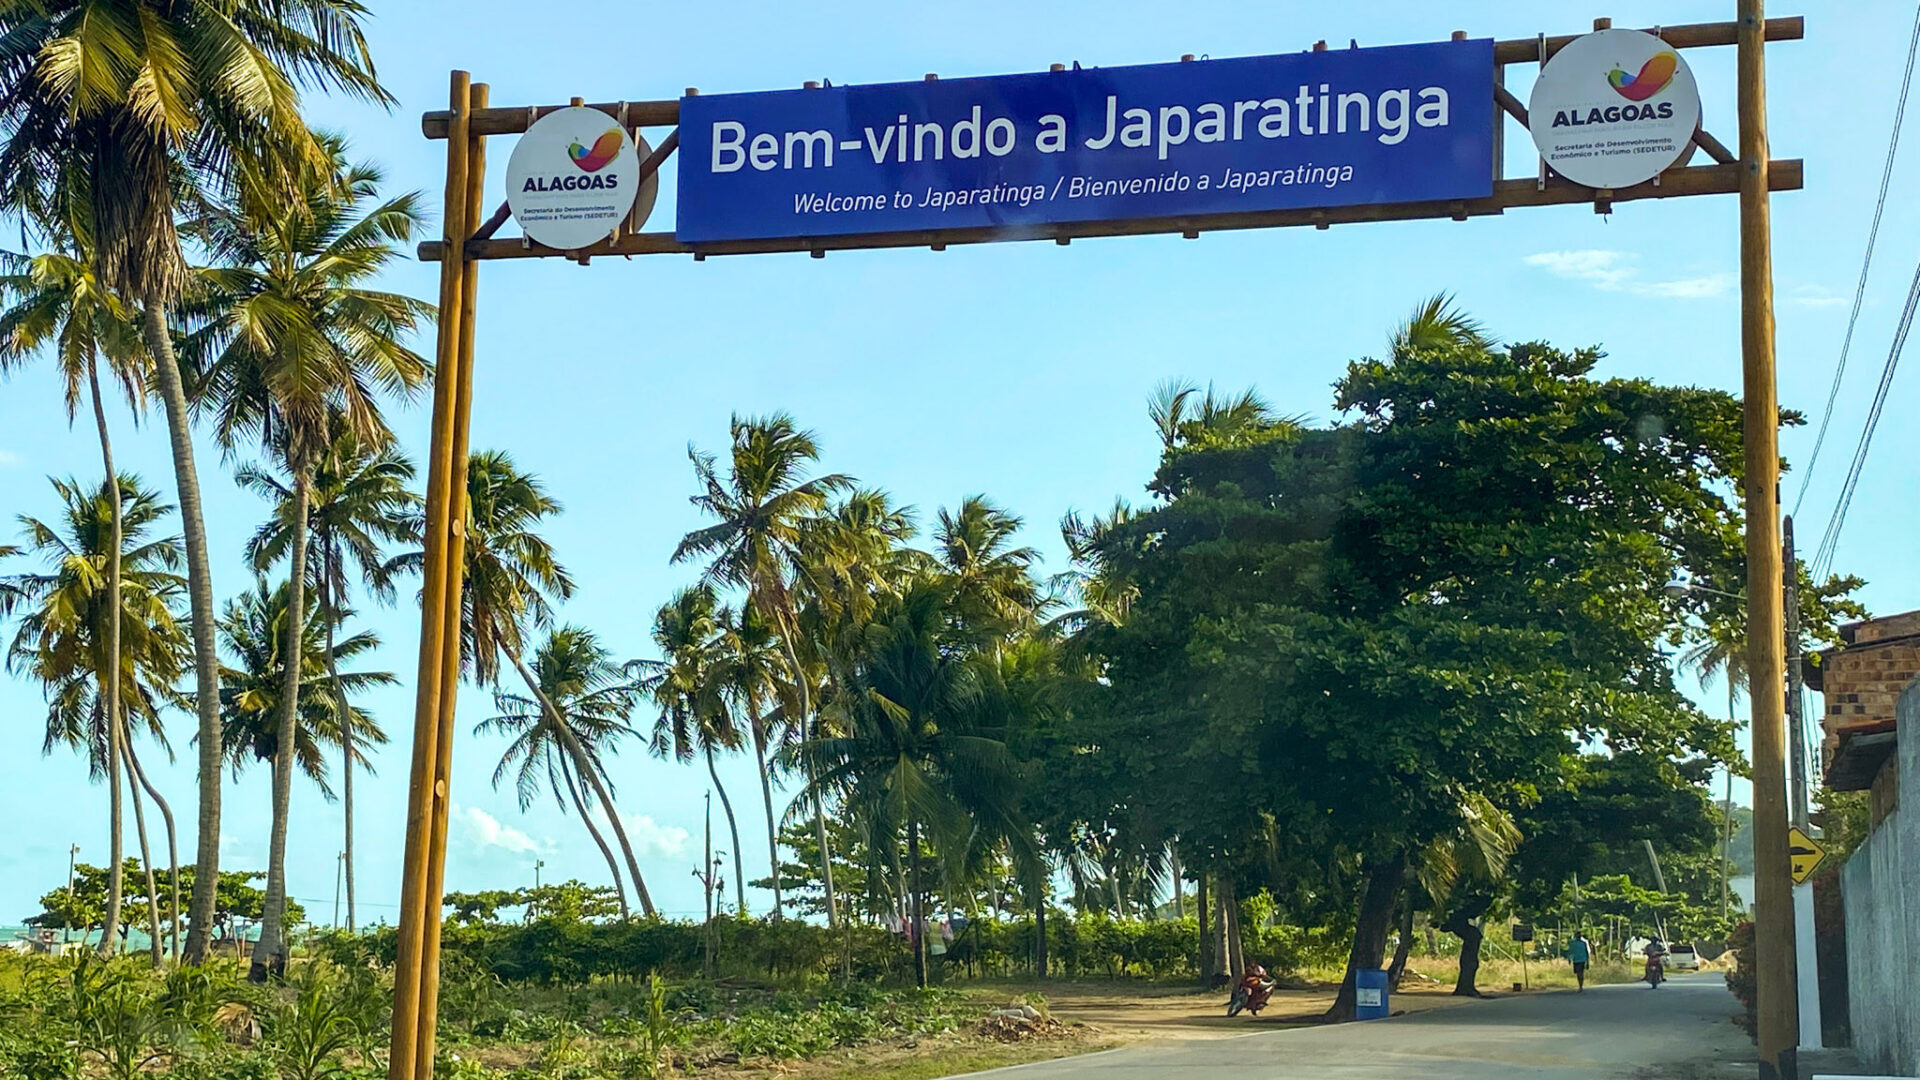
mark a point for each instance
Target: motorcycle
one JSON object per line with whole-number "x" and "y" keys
{"x": 1252, "y": 992}
{"x": 1656, "y": 972}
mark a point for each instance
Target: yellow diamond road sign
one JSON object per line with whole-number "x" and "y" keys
{"x": 1806, "y": 853}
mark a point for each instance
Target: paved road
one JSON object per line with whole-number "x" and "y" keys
{"x": 1679, "y": 1031}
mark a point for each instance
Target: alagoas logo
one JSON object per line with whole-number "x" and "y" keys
{"x": 603, "y": 150}
{"x": 1654, "y": 76}
{"x": 589, "y": 160}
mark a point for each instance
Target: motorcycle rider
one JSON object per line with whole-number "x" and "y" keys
{"x": 1656, "y": 952}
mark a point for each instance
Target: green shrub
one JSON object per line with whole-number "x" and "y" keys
{"x": 38, "y": 1053}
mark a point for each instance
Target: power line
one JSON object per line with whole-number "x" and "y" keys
{"x": 1866, "y": 264}
{"x": 1830, "y": 540}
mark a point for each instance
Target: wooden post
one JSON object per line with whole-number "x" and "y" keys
{"x": 1778, "y": 1019}
{"x": 453, "y": 539}
{"x": 417, "y": 920}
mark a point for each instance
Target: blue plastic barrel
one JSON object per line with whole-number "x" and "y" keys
{"x": 1370, "y": 995}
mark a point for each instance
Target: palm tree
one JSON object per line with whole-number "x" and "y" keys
{"x": 114, "y": 111}
{"x": 579, "y": 710}
{"x": 1183, "y": 419}
{"x": 292, "y": 348}
{"x": 254, "y": 631}
{"x": 1104, "y": 597}
{"x": 510, "y": 571}
{"x": 688, "y": 687}
{"x": 993, "y": 587}
{"x": 67, "y": 638}
{"x": 924, "y": 745}
{"x": 756, "y": 544}
{"x": 57, "y": 300}
{"x": 1438, "y": 323}
{"x": 360, "y": 503}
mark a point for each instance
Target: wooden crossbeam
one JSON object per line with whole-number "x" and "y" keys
{"x": 1785, "y": 175}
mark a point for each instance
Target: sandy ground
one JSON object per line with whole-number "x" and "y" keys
{"x": 1134, "y": 1011}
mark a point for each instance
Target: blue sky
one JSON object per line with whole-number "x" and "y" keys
{"x": 1019, "y": 370}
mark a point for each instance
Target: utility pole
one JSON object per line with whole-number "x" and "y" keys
{"x": 1806, "y": 960}
{"x": 1778, "y": 1018}
{"x": 537, "y": 864}
{"x": 1797, "y": 763}
{"x": 66, "y": 932}
{"x": 339, "y": 870}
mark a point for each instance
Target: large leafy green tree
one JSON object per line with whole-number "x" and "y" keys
{"x": 72, "y": 627}
{"x": 1365, "y": 628}
{"x": 292, "y": 349}
{"x": 359, "y": 505}
{"x": 579, "y": 711}
{"x": 114, "y": 111}
{"x": 761, "y": 506}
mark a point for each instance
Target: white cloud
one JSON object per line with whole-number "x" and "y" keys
{"x": 1814, "y": 296}
{"x": 482, "y": 830}
{"x": 1618, "y": 271}
{"x": 652, "y": 839}
{"x": 9, "y": 459}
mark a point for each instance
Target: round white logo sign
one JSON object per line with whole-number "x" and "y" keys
{"x": 571, "y": 178}
{"x": 1614, "y": 108}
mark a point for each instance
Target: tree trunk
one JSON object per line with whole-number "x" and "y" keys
{"x": 1173, "y": 866}
{"x": 173, "y": 849}
{"x": 1236, "y": 944}
{"x": 584, "y": 766}
{"x": 156, "y": 945}
{"x": 766, "y": 797}
{"x": 110, "y": 676}
{"x": 330, "y": 609}
{"x": 1463, "y": 922}
{"x": 1205, "y": 915}
{"x": 1404, "y": 947}
{"x": 116, "y": 884}
{"x": 917, "y": 932}
{"x": 1370, "y": 928}
{"x": 586, "y": 818}
{"x": 272, "y": 951}
{"x": 206, "y": 654}
{"x": 733, "y": 830}
{"x": 805, "y": 690}
{"x": 1040, "y": 957}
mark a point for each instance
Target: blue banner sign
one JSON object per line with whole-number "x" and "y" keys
{"x": 1345, "y": 127}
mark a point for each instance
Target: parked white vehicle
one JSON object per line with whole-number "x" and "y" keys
{"x": 1681, "y": 957}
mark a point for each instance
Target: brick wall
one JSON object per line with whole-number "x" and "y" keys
{"x": 1861, "y": 682}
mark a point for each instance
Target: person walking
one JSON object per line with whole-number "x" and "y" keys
{"x": 1581, "y": 954}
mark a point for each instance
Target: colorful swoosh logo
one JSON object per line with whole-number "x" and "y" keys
{"x": 602, "y": 151}
{"x": 1654, "y": 76}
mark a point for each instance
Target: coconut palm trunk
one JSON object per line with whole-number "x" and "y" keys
{"x": 110, "y": 927}
{"x": 343, "y": 710}
{"x": 173, "y": 847}
{"x": 766, "y": 799}
{"x": 805, "y": 691}
{"x": 733, "y": 830}
{"x": 599, "y": 841}
{"x": 206, "y": 656}
{"x": 110, "y": 681}
{"x": 917, "y": 932}
{"x": 272, "y": 950}
{"x": 155, "y": 944}
{"x": 584, "y": 766}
